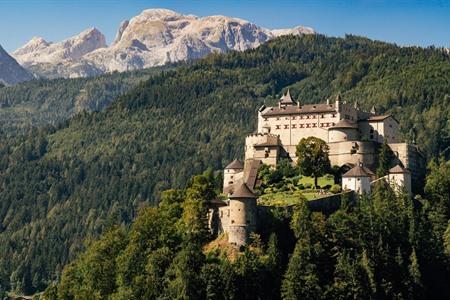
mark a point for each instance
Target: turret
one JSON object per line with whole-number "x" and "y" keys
{"x": 232, "y": 173}
{"x": 242, "y": 205}
{"x": 357, "y": 179}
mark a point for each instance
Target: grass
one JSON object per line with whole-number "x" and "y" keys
{"x": 322, "y": 181}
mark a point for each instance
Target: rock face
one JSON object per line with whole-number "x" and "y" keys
{"x": 10, "y": 71}
{"x": 154, "y": 37}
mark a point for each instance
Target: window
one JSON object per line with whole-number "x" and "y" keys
{"x": 333, "y": 115}
{"x": 278, "y": 118}
{"x": 286, "y": 118}
{"x": 286, "y": 126}
{"x": 293, "y": 118}
{"x": 301, "y": 125}
{"x": 307, "y": 116}
{"x": 371, "y": 136}
{"x": 265, "y": 119}
{"x": 301, "y": 117}
{"x": 294, "y": 126}
{"x": 322, "y": 116}
{"x": 307, "y": 125}
{"x": 231, "y": 176}
{"x": 277, "y": 126}
{"x": 314, "y": 125}
{"x": 232, "y": 221}
{"x": 371, "y": 130}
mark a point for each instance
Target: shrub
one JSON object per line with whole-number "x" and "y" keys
{"x": 336, "y": 188}
{"x": 301, "y": 186}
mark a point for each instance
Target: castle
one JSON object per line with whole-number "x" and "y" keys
{"x": 354, "y": 137}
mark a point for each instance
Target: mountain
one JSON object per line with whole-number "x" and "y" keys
{"x": 59, "y": 186}
{"x": 60, "y": 59}
{"x": 153, "y": 38}
{"x": 10, "y": 71}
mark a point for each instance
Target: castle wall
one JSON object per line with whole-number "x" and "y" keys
{"x": 412, "y": 159}
{"x": 380, "y": 130}
{"x": 353, "y": 152}
{"x": 268, "y": 155}
{"x": 342, "y": 135}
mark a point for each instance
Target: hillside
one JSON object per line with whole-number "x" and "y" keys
{"x": 60, "y": 186}
{"x": 49, "y": 102}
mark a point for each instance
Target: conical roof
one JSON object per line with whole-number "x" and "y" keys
{"x": 359, "y": 171}
{"x": 235, "y": 164}
{"x": 344, "y": 124}
{"x": 398, "y": 170}
{"x": 287, "y": 99}
{"x": 242, "y": 191}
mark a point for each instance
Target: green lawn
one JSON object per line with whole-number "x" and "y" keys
{"x": 323, "y": 181}
{"x": 288, "y": 198}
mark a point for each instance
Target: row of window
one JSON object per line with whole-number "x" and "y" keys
{"x": 307, "y": 125}
{"x": 301, "y": 117}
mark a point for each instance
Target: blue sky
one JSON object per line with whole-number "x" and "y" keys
{"x": 412, "y": 22}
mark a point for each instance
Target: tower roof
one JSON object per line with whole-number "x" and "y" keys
{"x": 242, "y": 191}
{"x": 398, "y": 170}
{"x": 287, "y": 99}
{"x": 359, "y": 171}
{"x": 344, "y": 124}
{"x": 235, "y": 164}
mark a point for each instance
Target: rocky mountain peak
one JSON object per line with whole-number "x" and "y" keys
{"x": 154, "y": 37}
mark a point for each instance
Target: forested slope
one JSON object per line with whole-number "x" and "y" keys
{"x": 61, "y": 185}
{"x": 41, "y": 102}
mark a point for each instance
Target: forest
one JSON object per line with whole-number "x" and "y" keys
{"x": 63, "y": 185}
{"x": 384, "y": 246}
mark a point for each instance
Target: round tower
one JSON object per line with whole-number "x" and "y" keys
{"x": 400, "y": 178}
{"x": 343, "y": 131}
{"x": 242, "y": 221}
{"x": 232, "y": 173}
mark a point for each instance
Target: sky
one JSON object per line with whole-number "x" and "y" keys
{"x": 405, "y": 22}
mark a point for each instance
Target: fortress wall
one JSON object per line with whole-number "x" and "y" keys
{"x": 353, "y": 152}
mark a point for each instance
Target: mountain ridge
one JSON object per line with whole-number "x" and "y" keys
{"x": 153, "y": 38}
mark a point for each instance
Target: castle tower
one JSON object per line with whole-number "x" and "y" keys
{"x": 242, "y": 220}
{"x": 357, "y": 179}
{"x": 231, "y": 174}
{"x": 343, "y": 131}
{"x": 400, "y": 178}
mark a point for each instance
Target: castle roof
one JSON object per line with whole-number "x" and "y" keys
{"x": 398, "y": 170}
{"x": 344, "y": 124}
{"x": 303, "y": 109}
{"x": 378, "y": 118}
{"x": 217, "y": 202}
{"x": 235, "y": 164}
{"x": 287, "y": 99}
{"x": 359, "y": 171}
{"x": 242, "y": 191}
